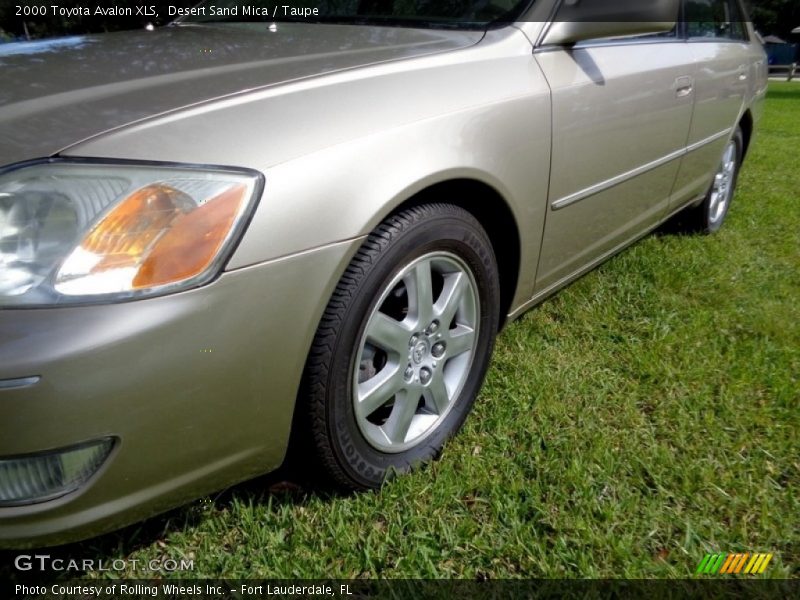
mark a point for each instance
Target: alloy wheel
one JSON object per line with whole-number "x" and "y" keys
{"x": 722, "y": 187}
{"x": 416, "y": 351}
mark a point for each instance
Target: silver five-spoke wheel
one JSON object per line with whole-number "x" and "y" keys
{"x": 416, "y": 351}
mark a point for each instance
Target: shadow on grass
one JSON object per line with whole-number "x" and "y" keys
{"x": 676, "y": 225}
{"x": 288, "y": 485}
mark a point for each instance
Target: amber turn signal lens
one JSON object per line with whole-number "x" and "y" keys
{"x": 127, "y": 232}
{"x": 158, "y": 235}
{"x": 192, "y": 241}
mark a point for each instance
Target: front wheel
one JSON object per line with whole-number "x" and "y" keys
{"x": 403, "y": 346}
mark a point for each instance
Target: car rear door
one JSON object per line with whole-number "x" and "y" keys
{"x": 621, "y": 116}
{"x": 717, "y": 38}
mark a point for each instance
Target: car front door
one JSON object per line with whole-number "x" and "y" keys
{"x": 621, "y": 115}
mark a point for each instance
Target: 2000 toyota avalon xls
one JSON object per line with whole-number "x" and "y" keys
{"x": 219, "y": 233}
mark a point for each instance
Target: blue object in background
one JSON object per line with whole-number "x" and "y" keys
{"x": 782, "y": 54}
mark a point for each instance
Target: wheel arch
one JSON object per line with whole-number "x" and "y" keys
{"x": 493, "y": 212}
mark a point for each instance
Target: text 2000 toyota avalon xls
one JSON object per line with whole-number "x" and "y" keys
{"x": 221, "y": 232}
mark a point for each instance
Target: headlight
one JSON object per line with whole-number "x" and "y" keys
{"x": 78, "y": 232}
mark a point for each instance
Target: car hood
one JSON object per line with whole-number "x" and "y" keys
{"x": 58, "y": 92}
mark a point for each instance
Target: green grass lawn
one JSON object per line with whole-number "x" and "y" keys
{"x": 644, "y": 416}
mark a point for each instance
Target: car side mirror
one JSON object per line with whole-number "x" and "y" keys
{"x": 578, "y": 20}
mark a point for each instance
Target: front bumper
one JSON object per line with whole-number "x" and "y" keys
{"x": 196, "y": 388}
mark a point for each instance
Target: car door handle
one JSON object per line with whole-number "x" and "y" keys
{"x": 683, "y": 86}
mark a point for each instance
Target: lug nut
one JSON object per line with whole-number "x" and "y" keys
{"x": 432, "y": 328}
{"x": 413, "y": 341}
{"x": 424, "y": 375}
{"x": 438, "y": 349}
{"x": 409, "y": 373}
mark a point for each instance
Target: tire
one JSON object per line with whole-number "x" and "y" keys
{"x": 388, "y": 380}
{"x": 709, "y": 215}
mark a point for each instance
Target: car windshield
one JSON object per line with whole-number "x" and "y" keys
{"x": 460, "y": 14}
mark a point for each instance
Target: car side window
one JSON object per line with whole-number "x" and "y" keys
{"x": 643, "y": 37}
{"x": 673, "y": 33}
{"x": 715, "y": 19}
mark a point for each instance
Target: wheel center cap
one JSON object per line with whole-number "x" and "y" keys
{"x": 419, "y": 352}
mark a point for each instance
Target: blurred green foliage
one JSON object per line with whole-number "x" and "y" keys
{"x": 775, "y": 17}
